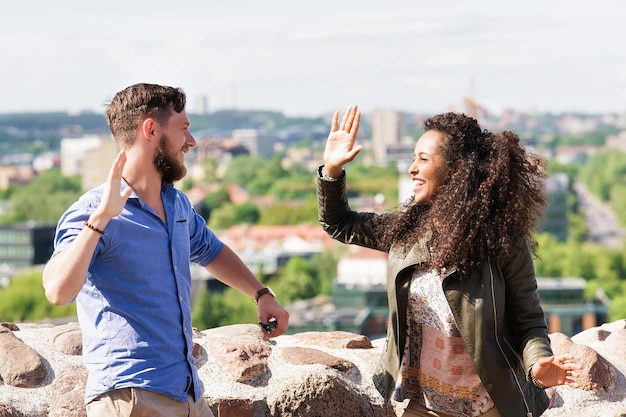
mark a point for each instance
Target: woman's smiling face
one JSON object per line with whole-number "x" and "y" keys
{"x": 429, "y": 169}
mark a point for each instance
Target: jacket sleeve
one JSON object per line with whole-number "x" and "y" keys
{"x": 523, "y": 307}
{"x": 339, "y": 220}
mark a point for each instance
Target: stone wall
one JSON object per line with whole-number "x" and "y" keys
{"x": 307, "y": 374}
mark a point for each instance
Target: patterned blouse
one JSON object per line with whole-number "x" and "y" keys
{"x": 436, "y": 370}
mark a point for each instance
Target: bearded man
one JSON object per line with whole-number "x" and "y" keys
{"x": 123, "y": 253}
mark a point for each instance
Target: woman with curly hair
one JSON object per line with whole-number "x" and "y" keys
{"x": 466, "y": 332}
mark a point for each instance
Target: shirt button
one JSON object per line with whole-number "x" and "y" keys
{"x": 180, "y": 298}
{"x": 175, "y": 268}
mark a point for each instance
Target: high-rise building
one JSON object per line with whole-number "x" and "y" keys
{"x": 388, "y": 131}
{"x": 202, "y": 105}
{"x": 257, "y": 142}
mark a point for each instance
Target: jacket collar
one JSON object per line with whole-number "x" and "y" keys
{"x": 418, "y": 254}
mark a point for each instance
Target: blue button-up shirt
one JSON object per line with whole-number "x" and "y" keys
{"x": 135, "y": 306}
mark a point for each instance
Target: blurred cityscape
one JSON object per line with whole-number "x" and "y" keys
{"x": 80, "y": 144}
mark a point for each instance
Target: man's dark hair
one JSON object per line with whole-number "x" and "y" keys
{"x": 138, "y": 102}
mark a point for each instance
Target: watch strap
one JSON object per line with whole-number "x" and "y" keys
{"x": 260, "y": 293}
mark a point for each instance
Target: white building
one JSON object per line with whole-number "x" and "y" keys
{"x": 88, "y": 156}
{"x": 362, "y": 268}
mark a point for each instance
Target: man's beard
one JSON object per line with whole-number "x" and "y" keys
{"x": 167, "y": 164}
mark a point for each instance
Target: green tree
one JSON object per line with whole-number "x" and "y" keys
{"x": 617, "y": 195}
{"x": 24, "y": 299}
{"x": 325, "y": 267}
{"x": 213, "y": 201}
{"x": 296, "y": 281}
{"x": 221, "y": 309}
{"x": 297, "y": 185}
{"x": 304, "y": 278}
{"x": 603, "y": 268}
{"x": 43, "y": 200}
{"x": 370, "y": 180}
{"x": 248, "y": 213}
{"x": 572, "y": 170}
{"x": 271, "y": 172}
{"x": 244, "y": 169}
{"x": 223, "y": 217}
{"x": 604, "y": 170}
{"x": 284, "y": 213}
{"x": 230, "y": 214}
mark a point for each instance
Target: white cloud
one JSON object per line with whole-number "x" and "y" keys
{"x": 308, "y": 58}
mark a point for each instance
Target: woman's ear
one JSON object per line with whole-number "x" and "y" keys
{"x": 456, "y": 166}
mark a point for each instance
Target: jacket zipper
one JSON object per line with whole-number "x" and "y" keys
{"x": 495, "y": 315}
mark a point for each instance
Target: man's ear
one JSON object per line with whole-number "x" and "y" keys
{"x": 149, "y": 128}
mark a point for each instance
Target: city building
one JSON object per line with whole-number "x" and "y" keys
{"x": 565, "y": 307}
{"x": 88, "y": 156}
{"x": 555, "y": 219}
{"x": 201, "y": 105}
{"x": 617, "y": 141}
{"x": 257, "y": 142}
{"x": 15, "y": 174}
{"x": 73, "y": 153}
{"x": 389, "y": 128}
{"x": 27, "y": 244}
{"x": 359, "y": 301}
{"x": 266, "y": 249}
{"x": 97, "y": 164}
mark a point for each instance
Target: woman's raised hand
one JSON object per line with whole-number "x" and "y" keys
{"x": 340, "y": 147}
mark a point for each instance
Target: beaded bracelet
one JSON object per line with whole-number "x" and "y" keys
{"x": 535, "y": 382}
{"x": 94, "y": 228}
{"x": 327, "y": 177}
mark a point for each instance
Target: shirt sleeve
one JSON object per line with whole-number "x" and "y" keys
{"x": 205, "y": 245}
{"x": 72, "y": 222}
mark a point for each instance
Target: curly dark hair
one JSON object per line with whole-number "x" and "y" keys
{"x": 137, "y": 102}
{"x": 492, "y": 201}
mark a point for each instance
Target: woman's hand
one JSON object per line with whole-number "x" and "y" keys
{"x": 340, "y": 147}
{"x": 556, "y": 370}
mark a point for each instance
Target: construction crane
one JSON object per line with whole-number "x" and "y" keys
{"x": 473, "y": 108}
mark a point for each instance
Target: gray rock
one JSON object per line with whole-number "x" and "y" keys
{"x": 7, "y": 410}
{"x": 20, "y": 365}
{"x": 308, "y": 356}
{"x": 335, "y": 339}
{"x": 67, "y": 395}
{"x": 242, "y": 351}
{"x": 308, "y": 374}
{"x": 68, "y": 339}
{"x": 323, "y": 394}
{"x": 597, "y": 373}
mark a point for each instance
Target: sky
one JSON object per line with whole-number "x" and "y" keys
{"x": 308, "y": 58}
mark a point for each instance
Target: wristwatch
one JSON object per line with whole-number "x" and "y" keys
{"x": 260, "y": 293}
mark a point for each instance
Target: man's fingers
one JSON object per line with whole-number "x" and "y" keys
{"x": 126, "y": 194}
{"x": 115, "y": 174}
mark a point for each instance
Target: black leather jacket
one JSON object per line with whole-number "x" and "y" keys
{"x": 497, "y": 310}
